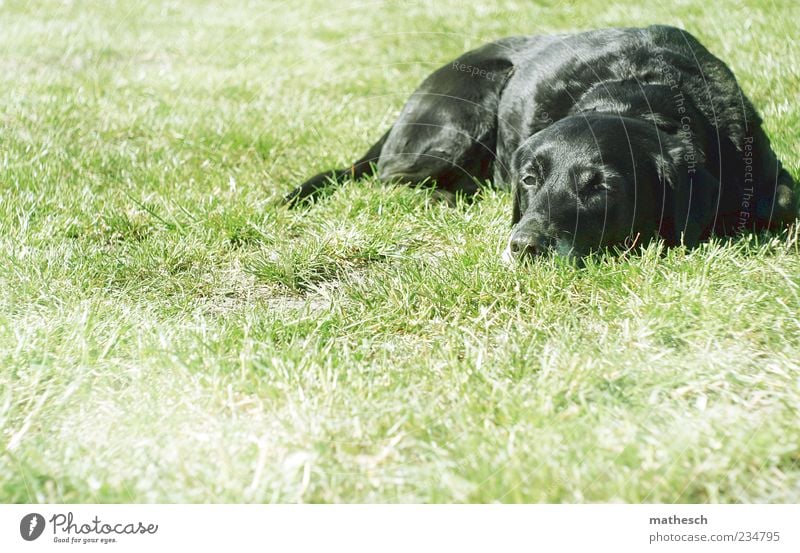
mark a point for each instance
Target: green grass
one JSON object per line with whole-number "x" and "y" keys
{"x": 167, "y": 333}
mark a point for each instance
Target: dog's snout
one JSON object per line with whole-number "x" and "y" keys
{"x": 527, "y": 244}
{"x": 521, "y": 246}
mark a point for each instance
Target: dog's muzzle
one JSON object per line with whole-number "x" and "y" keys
{"x": 529, "y": 241}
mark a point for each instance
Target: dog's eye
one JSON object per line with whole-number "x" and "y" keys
{"x": 534, "y": 173}
{"x": 593, "y": 182}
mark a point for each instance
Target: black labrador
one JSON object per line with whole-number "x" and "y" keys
{"x": 607, "y": 138}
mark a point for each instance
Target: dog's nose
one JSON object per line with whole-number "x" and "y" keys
{"x": 527, "y": 245}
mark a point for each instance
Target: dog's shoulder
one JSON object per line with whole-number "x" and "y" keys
{"x": 707, "y": 81}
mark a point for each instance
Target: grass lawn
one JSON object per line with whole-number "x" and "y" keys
{"x": 168, "y": 333}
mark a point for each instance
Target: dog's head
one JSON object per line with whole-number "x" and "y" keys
{"x": 596, "y": 180}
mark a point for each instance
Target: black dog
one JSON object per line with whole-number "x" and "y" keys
{"x": 606, "y": 137}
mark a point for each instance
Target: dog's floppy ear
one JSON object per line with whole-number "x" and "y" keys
{"x": 690, "y": 192}
{"x": 516, "y": 212}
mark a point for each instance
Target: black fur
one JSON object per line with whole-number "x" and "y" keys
{"x": 605, "y": 137}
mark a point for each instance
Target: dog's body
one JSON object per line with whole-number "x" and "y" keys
{"x": 604, "y": 136}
